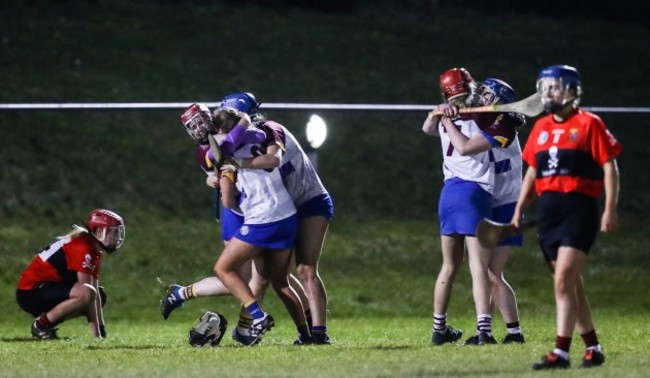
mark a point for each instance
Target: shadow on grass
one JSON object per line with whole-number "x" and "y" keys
{"x": 125, "y": 347}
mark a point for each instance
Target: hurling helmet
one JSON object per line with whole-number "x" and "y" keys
{"x": 208, "y": 330}
{"x": 558, "y": 86}
{"x": 456, "y": 82}
{"x": 494, "y": 91}
{"x": 197, "y": 121}
{"x": 242, "y": 101}
{"x": 107, "y": 227}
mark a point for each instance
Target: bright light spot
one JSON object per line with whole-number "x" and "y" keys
{"x": 316, "y": 131}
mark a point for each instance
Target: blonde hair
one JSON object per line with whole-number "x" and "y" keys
{"x": 225, "y": 118}
{"x": 76, "y": 231}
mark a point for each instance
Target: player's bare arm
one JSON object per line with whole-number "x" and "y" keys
{"x": 525, "y": 196}
{"x": 609, "y": 220}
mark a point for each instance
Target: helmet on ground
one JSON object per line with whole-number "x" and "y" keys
{"x": 558, "y": 86}
{"x": 456, "y": 82}
{"x": 107, "y": 227}
{"x": 208, "y": 330}
{"x": 197, "y": 121}
{"x": 242, "y": 101}
{"x": 494, "y": 91}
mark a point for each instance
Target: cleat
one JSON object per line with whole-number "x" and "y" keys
{"x": 43, "y": 333}
{"x": 171, "y": 301}
{"x": 243, "y": 339}
{"x": 450, "y": 335}
{"x": 303, "y": 341}
{"x": 514, "y": 338}
{"x": 319, "y": 338}
{"x": 592, "y": 358}
{"x": 472, "y": 340}
{"x": 485, "y": 338}
{"x": 551, "y": 361}
{"x": 262, "y": 326}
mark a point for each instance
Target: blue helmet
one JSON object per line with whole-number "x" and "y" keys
{"x": 554, "y": 84}
{"x": 242, "y": 101}
{"x": 501, "y": 92}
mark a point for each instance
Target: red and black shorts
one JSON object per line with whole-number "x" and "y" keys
{"x": 566, "y": 220}
{"x": 46, "y": 296}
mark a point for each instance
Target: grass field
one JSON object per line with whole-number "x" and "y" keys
{"x": 379, "y": 277}
{"x": 382, "y": 252}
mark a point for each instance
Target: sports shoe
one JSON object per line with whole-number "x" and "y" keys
{"x": 482, "y": 338}
{"x": 473, "y": 340}
{"x": 43, "y": 333}
{"x": 485, "y": 338}
{"x": 245, "y": 340}
{"x": 320, "y": 338}
{"x": 450, "y": 335}
{"x": 551, "y": 361}
{"x": 592, "y": 358}
{"x": 171, "y": 301}
{"x": 514, "y": 338}
{"x": 303, "y": 340}
{"x": 260, "y": 327}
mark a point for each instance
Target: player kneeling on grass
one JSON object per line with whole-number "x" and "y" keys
{"x": 62, "y": 281}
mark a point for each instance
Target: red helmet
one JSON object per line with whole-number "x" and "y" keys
{"x": 456, "y": 82}
{"x": 197, "y": 121}
{"x": 107, "y": 227}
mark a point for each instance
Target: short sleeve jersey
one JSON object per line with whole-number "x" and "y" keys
{"x": 478, "y": 167}
{"x": 298, "y": 173}
{"x": 61, "y": 260}
{"x": 568, "y": 156}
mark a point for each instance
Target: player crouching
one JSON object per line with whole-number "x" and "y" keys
{"x": 62, "y": 280}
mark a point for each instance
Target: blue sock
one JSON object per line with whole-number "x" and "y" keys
{"x": 255, "y": 310}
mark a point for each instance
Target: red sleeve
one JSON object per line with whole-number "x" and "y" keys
{"x": 528, "y": 154}
{"x": 603, "y": 144}
{"x": 81, "y": 256}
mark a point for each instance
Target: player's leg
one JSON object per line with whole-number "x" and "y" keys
{"x": 309, "y": 245}
{"x": 503, "y": 296}
{"x": 279, "y": 264}
{"x": 479, "y": 258}
{"x": 452, "y": 247}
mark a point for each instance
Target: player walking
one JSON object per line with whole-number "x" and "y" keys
{"x": 571, "y": 157}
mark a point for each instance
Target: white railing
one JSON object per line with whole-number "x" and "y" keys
{"x": 285, "y": 106}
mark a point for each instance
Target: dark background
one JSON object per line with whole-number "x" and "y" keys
{"x": 377, "y": 164}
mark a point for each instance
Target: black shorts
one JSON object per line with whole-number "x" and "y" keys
{"x": 46, "y": 296}
{"x": 566, "y": 220}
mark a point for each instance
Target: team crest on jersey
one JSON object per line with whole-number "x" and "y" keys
{"x": 244, "y": 230}
{"x": 573, "y": 134}
{"x": 543, "y": 137}
{"x": 88, "y": 263}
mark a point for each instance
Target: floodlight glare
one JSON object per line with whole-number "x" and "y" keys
{"x": 316, "y": 131}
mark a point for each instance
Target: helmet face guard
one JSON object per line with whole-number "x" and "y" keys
{"x": 493, "y": 91}
{"x": 558, "y": 87}
{"x": 197, "y": 121}
{"x": 108, "y": 228}
{"x": 456, "y": 85}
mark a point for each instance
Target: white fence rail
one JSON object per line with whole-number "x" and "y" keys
{"x": 280, "y": 105}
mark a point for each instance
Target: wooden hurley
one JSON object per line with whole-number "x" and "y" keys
{"x": 490, "y": 233}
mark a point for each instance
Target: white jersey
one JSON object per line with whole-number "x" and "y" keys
{"x": 299, "y": 175}
{"x": 508, "y": 178}
{"x": 264, "y": 199}
{"x": 475, "y": 168}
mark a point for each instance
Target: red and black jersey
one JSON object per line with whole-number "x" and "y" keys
{"x": 569, "y": 155}
{"x": 61, "y": 260}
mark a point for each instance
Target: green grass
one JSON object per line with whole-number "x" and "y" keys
{"x": 382, "y": 252}
{"x": 379, "y": 277}
{"x": 363, "y": 347}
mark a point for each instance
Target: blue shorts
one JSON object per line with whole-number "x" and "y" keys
{"x": 275, "y": 235}
{"x": 230, "y": 223}
{"x": 462, "y": 205}
{"x": 503, "y": 214}
{"x": 319, "y": 206}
